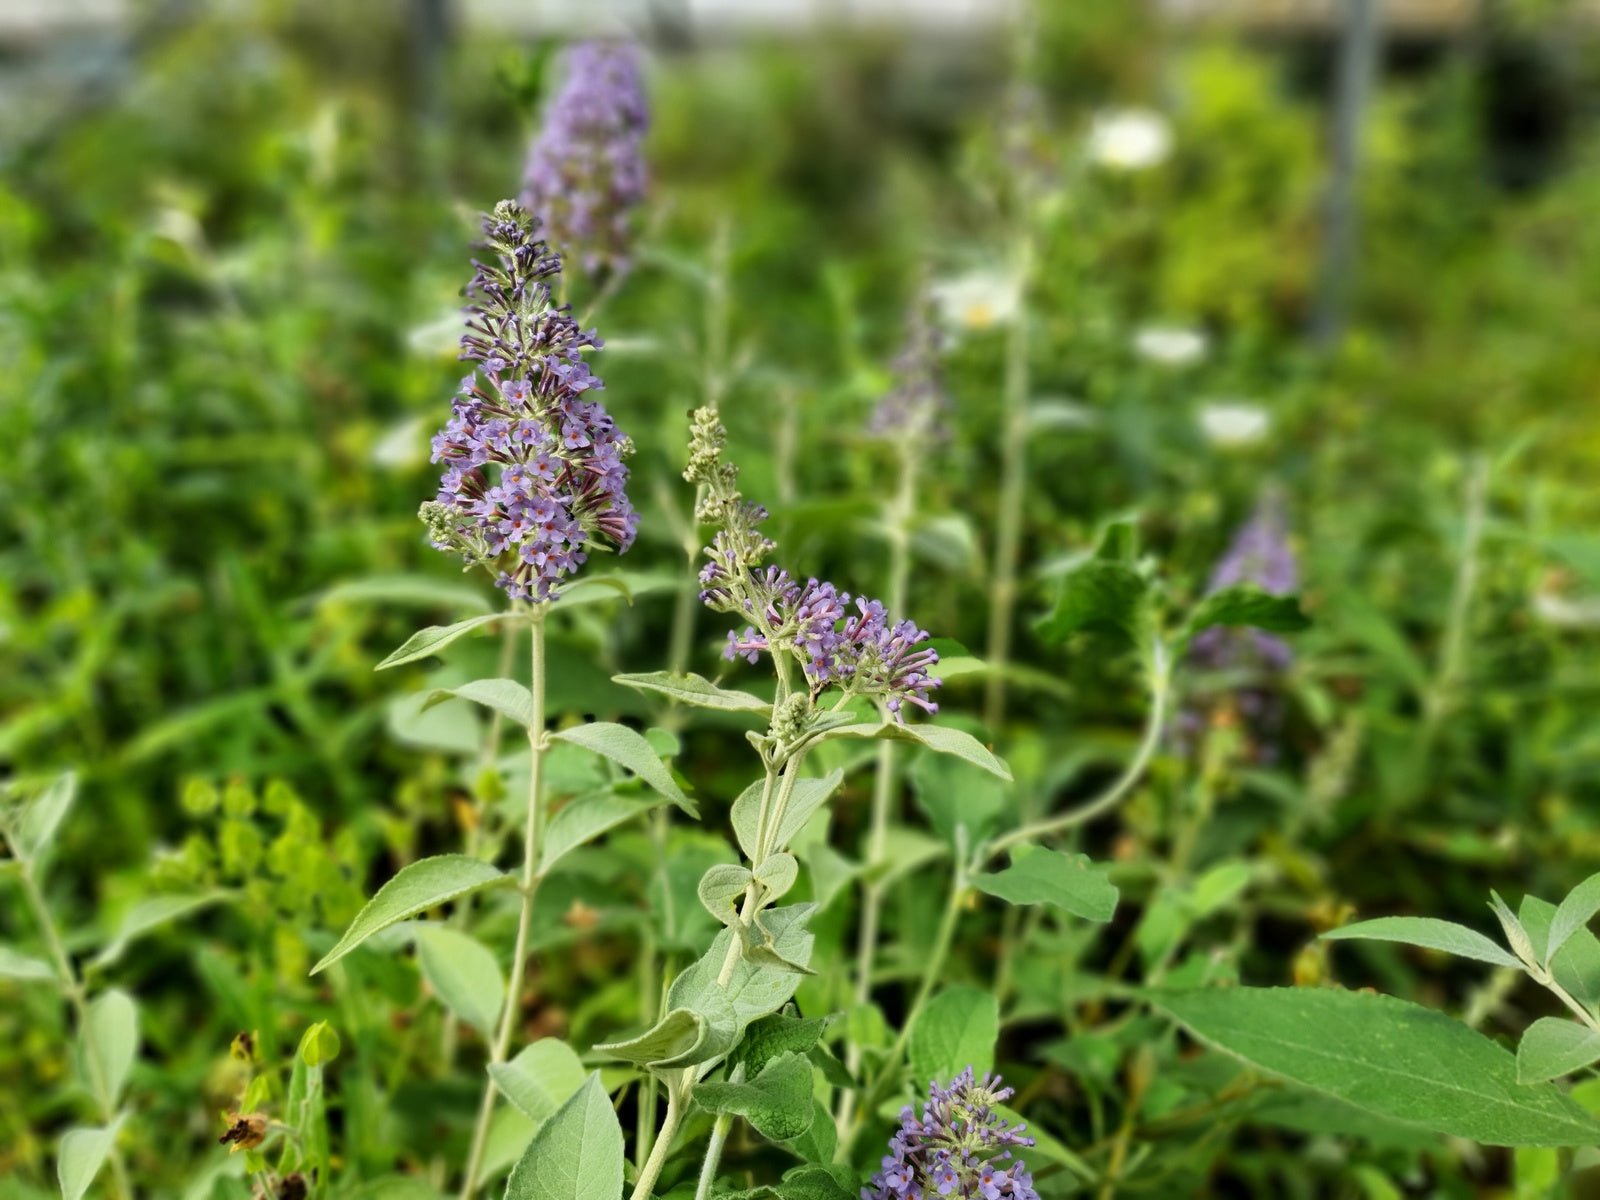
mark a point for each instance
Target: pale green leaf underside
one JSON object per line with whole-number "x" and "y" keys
{"x": 695, "y": 690}
{"x": 1552, "y": 1047}
{"x": 464, "y": 973}
{"x": 541, "y": 1078}
{"x": 577, "y": 1153}
{"x": 1429, "y": 932}
{"x": 629, "y": 750}
{"x": 941, "y": 739}
{"x": 433, "y": 639}
{"x": 1068, "y": 881}
{"x": 83, "y": 1152}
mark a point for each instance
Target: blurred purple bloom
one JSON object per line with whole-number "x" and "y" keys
{"x": 914, "y": 410}
{"x": 586, "y": 171}
{"x": 531, "y": 467}
{"x": 1260, "y": 554}
{"x": 959, "y": 1146}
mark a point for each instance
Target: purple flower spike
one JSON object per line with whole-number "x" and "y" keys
{"x": 915, "y": 409}
{"x": 1260, "y": 554}
{"x": 960, "y": 1147}
{"x": 533, "y": 469}
{"x": 586, "y": 172}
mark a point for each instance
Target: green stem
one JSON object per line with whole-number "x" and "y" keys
{"x": 72, "y": 988}
{"x": 1112, "y": 796}
{"x": 677, "y": 1097}
{"x": 719, "y": 1137}
{"x": 529, "y": 887}
{"x": 875, "y": 1090}
{"x": 1013, "y": 480}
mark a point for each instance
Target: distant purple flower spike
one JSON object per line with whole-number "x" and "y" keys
{"x": 915, "y": 409}
{"x": 1260, "y": 553}
{"x": 533, "y": 469}
{"x": 586, "y": 171}
{"x": 959, "y": 1147}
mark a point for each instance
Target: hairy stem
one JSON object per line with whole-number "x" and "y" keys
{"x": 719, "y": 1137}
{"x": 529, "y": 885}
{"x": 677, "y": 1097}
{"x": 1013, "y": 481}
{"x": 884, "y": 1079}
{"x": 72, "y": 988}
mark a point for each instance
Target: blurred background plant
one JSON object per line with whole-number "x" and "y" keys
{"x": 230, "y": 250}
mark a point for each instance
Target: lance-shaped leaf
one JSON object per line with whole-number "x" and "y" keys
{"x": 41, "y": 817}
{"x": 1429, "y": 932}
{"x": 1068, "y": 881}
{"x": 939, "y": 738}
{"x": 807, "y": 796}
{"x": 83, "y": 1152}
{"x": 464, "y": 973}
{"x": 541, "y": 1078}
{"x": 696, "y": 690}
{"x": 1396, "y": 1060}
{"x": 721, "y": 889}
{"x": 415, "y": 888}
{"x": 1576, "y": 966}
{"x": 1552, "y": 1047}
{"x": 507, "y": 697}
{"x": 754, "y": 989}
{"x": 111, "y": 1042}
{"x": 776, "y": 1102}
{"x": 1247, "y": 604}
{"x": 585, "y": 818}
{"x": 629, "y": 750}
{"x": 151, "y": 914}
{"x": 576, "y": 1155}
{"x": 23, "y": 967}
{"x": 1572, "y": 914}
{"x": 433, "y": 639}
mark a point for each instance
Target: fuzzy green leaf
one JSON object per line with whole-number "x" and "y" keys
{"x": 1247, "y": 604}
{"x": 415, "y": 888}
{"x": 1429, "y": 932}
{"x": 541, "y": 1078}
{"x": 585, "y": 818}
{"x": 111, "y": 1039}
{"x": 629, "y": 750}
{"x": 776, "y": 1102}
{"x": 507, "y": 697}
{"x": 941, "y": 739}
{"x": 1552, "y": 1047}
{"x": 434, "y": 638}
{"x": 464, "y": 973}
{"x": 1068, "y": 881}
{"x": 576, "y": 1155}
{"x": 695, "y": 690}
{"x": 957, "y": 1029}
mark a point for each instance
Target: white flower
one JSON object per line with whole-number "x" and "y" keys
{"x": 1129, "y": 139}
{"x": 1170, "y": 345}
{"x": 1564, "y": 612}
{"x": 1233, "y": 423}
{"x": 977, "y": 300}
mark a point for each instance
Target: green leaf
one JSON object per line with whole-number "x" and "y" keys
{"x": 745, "y": 817}
{"x": 319, "y": 1045}
{"x": 629, "y": 750}
{"x": 148, "y": 915}
{"x": 1388, "y": 1057}
{"x": 695, "y": 690}
{"x": 1572, "y": 914}
{"x": 1068, "y": 881}
{"x": 22, "y": 967}
{"x": 415, "y": 888}
{"x": 940, "y": 738}
{"x": 721, "y": 889}
{"x": 1247, "y": 604}
{"x": 582, "y": 820}
{"x": 761, "y": 937}
{"x": 541, "y": 1078}
{"x": 1576, "y": 966}
{"x": 464, "y": 973}
{"x": 754, "y": 989}
{"x": 777, "y": 874}
{"x": 41, "y": 817}
{"x": 577, "y": 1153}
{"x": 775, "y": 1034}
{"x": 507, "y": 697}
{"x": 1100, "y": 595}
{"x": 83, "y": 1152}
{"x": 776, "y": 1103}
{"x": 683, "y": 1036}
{"x": 1430, "y": 932}
{"x": 957, "y": 1029}
{"x": 807, "y": 796}
{"x": 415, "y": 591}
{"x": 111, "y": 1039}
{"x": 1552, "y": 1047}
{"x": 433, "y": 639}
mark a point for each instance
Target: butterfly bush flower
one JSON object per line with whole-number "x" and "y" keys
{"x": 533, "y": 465}
{"x": 915, "y": 408}
{"x": 585, "y": 172}
{"x": 959, "y": 1147}
{"x": 853, "y": 645}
